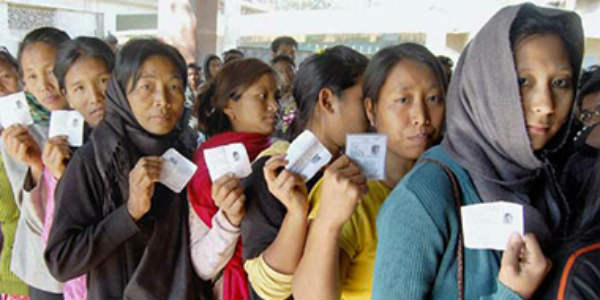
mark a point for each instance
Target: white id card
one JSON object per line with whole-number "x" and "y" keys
{"x": 14, "y": 110}
{"x": 177, "y": 170}
{"x": 489, "y": 225}
{"x": 368, "y": 151}
{"x": 68, "y": 123}
{"x": 232, "y": 158}
{"x": 306, "y": 155}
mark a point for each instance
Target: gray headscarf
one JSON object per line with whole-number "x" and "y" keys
{"x": 486, "y": 130}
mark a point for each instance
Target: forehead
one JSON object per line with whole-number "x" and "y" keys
{"x": 265, "y": 81}
{"x": 408, "y": 73}
{"x": 38, "y": 53}
{"x": 6, "y": 66}
{"x": 284, "y": 47}
{"x": 591, "y": 100}
{"x": 158, "y": 65}
{"x": 541, "y": 48}
{"x": 86, "y": 67}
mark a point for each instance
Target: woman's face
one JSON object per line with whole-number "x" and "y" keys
{"x": 157, "y": 98}
{"x": 214, "y": 66}
{"x": 349, "y": 114}
{"x": 285, "y": 71}
{"x": 589, "y": 116}
{"x": 37, "y": 63}
{"x": 256, "y": 110}
{"x": 590, "y": 109}
{"x": 9, "y": 79}
{"x": 545, "y": 78}
{"x": 85, "y": 87}
{"x": 410, "y": 109}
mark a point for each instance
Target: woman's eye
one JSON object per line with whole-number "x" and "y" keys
{"x": 402, "y": 100}
{"x": 561, "y": 83}
{"x": 522, "y": 81}
{"x": 175, "y": 87}
{"x": 78, "y": 88}
{"x": 435, "y": 99}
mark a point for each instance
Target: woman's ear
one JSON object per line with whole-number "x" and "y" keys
{"x": 370, "y": 110}
{"x": 228, "y": 110}
{"x": 325, "y": 100}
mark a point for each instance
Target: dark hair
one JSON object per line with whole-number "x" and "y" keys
{"x": 48, "y": 35}
{"x": 530, "y": 22}
{"x": 386, "y": 59}
{"x": 194, "y": 65}
{"x": 70, "y": 51}
{"x": 283, "y": 40}
{"x": 283, "y": 58}
{"x": 589, "y": 83}
{"x": 230, "y": 83}
{"x": 135, "y": 52}
{"x": 6, "y": 57}
{"x": 111, "y": 39}
{"x": 231, "y": 51}
{"x": 337, "y": 69}
{"x": 445, "y": 61}
{"x": 586, "y": 224}
{"x": 206, "y": 65}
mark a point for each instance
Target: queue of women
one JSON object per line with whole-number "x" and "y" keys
{"x": 95, "y": 222}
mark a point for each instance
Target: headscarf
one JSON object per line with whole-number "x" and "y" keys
{"x": 165, "y": 269}
{"x": 486, "y": 129}
{"x": 235, "y": 282}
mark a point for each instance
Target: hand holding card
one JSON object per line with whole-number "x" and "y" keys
{"x": 368, "y": 151}
{"x": 177, "y": 170}
{"x": 490, "y": 225}
{"x": 67, "y": 123}
{"x": 14, "y": 110}
{"x": 232, "y": 158}
{"x": 306, "y": 155}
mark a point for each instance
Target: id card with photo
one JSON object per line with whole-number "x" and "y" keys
{"x": 177, "y": 170}
{"x": 232, "y": 158}
{"x": 368, "y": 151}
{"x": 306, "y": 155}
{"x": 490, "y": 225}
{"x": 14, "y": 110}
{"x": 68, "y": 123}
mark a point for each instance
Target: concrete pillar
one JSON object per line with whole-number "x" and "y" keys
{"x": 189, "y": 25}
{"x": 206, "y": 28}
{"x": 232, "y": 21}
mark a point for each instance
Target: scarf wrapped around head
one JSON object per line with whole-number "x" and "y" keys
{"x": 235, "y": 281}
{"x": 486, "y": 130}
{"x": 165, "y": 269}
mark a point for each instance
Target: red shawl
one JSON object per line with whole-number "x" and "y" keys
{"x": 235, "y": 282}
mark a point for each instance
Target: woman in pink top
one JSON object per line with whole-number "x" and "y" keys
{"x": 82, "y": 68}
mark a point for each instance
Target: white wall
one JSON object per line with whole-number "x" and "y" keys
{"x": 76, "y": 17}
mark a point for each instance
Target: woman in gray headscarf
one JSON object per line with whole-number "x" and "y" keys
{"x": 508, "y": 107}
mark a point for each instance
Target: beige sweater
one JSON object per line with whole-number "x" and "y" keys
{"x": 27, "y": 257}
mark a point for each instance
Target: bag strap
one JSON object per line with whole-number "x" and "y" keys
{"x": 459, "y": 245}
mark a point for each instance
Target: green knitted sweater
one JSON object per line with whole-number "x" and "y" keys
{"x": 9, "y": 215}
